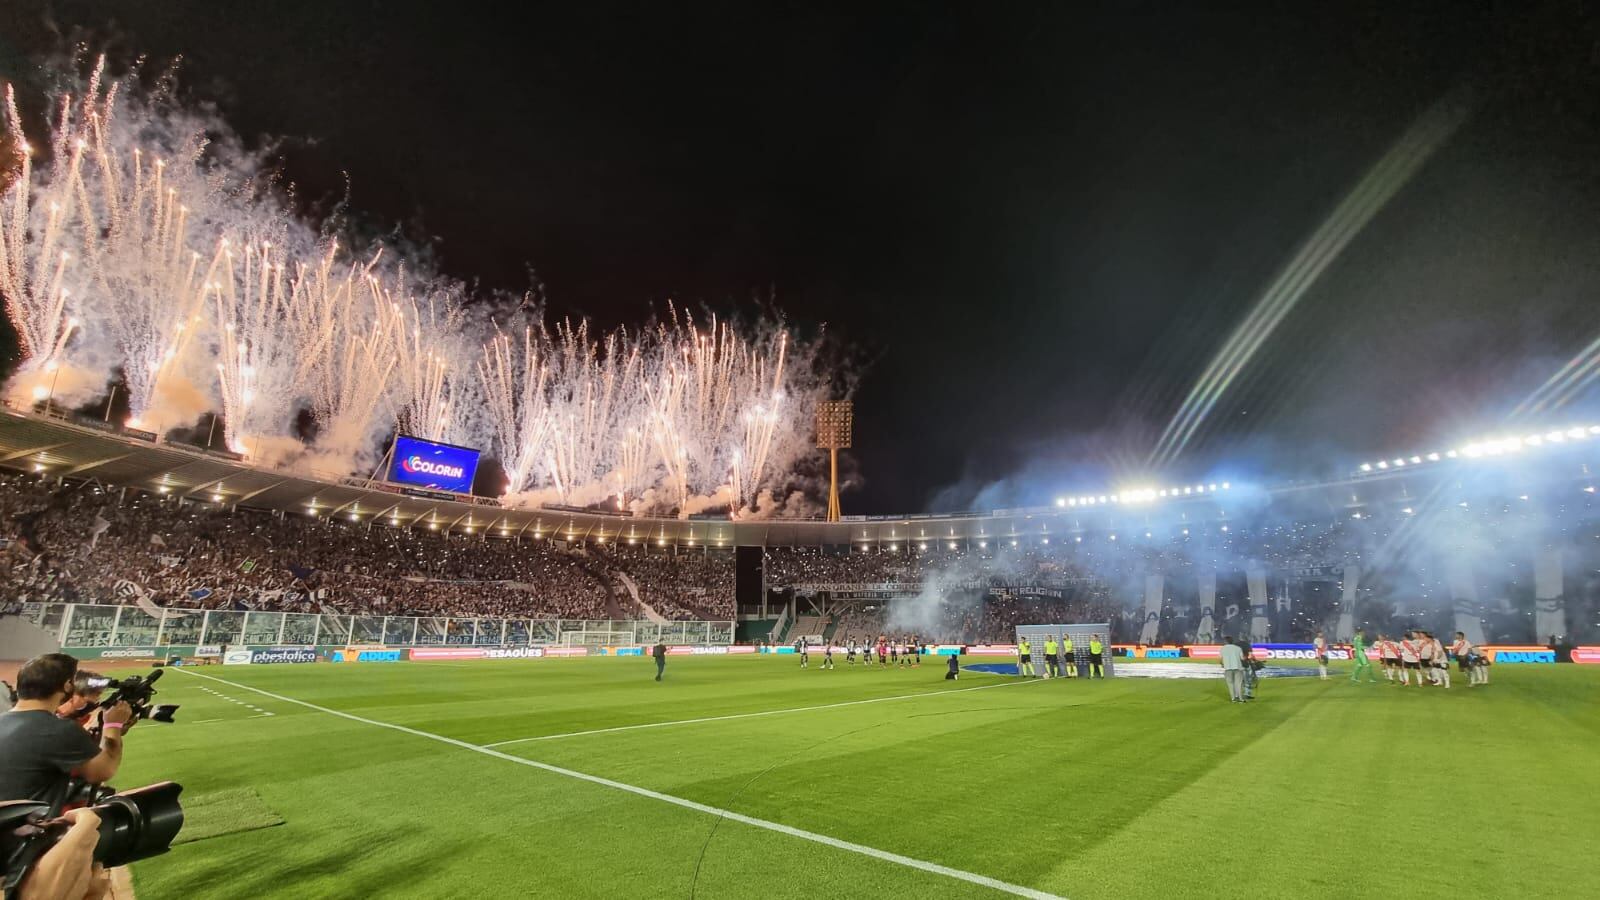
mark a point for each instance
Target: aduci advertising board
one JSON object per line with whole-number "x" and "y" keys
{"x": 432, "y": 465}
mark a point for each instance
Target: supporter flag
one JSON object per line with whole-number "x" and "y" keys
{"x": 98, "y": 528}
{"x": 301, "y": 572}
{"x": 247, "y": 566}
{"x": 199, "y": 594}
{"x": 158, "y": 540}
{"x": 127, "y": 590}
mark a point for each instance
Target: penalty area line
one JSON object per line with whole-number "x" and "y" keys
{"x": 849, "y": 846}
{"x": 754, "y": 715}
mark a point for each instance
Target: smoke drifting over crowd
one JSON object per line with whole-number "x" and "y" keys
{"x": 142, "y": 245}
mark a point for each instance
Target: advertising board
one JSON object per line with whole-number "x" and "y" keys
{"x": 447, "y": 652}
{"x": 428, "y": 464}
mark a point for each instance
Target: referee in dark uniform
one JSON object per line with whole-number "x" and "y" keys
{"x": 660, "y": 653}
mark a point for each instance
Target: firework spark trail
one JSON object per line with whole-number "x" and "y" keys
{"x": 256, "y": 352}
{"x": 192, "y": 279}
{"x": 34, "y": 267}
{"x": 1392, "y": 172}
{"x": 514, "y": 382}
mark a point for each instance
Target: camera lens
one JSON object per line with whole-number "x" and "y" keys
{"x": 138, "y": 824}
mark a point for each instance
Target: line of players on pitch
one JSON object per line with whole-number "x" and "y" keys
{"x": 1417, "y": 651}
{"x": 902, "y": 653}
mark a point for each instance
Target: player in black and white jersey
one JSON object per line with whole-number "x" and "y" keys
{"x": 804, "y": 649}
{"x": 827, "y": 654}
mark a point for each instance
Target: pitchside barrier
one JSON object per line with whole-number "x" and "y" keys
{"x": 103, "y": 627}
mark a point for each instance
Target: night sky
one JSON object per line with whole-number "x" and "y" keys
{"x": 1031, "y": 225}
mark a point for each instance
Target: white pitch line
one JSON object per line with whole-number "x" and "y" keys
{"x": 754, "y": 715}
{"x": 862, "y": 849}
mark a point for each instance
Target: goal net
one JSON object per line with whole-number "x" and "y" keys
{"x": 597, "y": 639}
{"x": 1037, "y": 635}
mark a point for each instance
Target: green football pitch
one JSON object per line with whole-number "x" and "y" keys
{"x": 748, "y": 777}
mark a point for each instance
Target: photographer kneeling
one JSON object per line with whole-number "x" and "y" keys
{"x": 40, "y": 750}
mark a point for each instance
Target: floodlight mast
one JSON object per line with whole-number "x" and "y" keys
{"x": 835, "y": 426}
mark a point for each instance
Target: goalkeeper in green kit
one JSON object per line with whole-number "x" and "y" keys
{"x": 1358, "y": 655}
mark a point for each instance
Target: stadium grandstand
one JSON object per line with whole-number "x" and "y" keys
{"x": 98, "y": 517}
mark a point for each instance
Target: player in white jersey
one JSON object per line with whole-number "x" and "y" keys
{"x": 1467, "y": 657}
{"x": 1322, "y": 656}
{"x": 1410, "y": 660}
{"x": 1389, "y": 656}
{"x": 1440, "y": 662}
{"x": 1424, "y": 654}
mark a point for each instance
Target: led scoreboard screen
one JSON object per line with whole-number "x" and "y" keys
{"x": 426, "y": 464}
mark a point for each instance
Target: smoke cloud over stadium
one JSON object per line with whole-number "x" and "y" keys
{"x": 143, "y": 246}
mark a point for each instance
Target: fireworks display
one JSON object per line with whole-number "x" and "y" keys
{"x": 142, "y": 247}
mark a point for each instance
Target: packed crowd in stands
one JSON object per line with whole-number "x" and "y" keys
{"x": 81, "y": 543}
{"x": 681, "y": 583}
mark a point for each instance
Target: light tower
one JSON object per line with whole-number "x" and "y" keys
{"x": 835, "y": 423}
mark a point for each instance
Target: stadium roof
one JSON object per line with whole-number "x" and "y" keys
{"x": 79, "y": 448}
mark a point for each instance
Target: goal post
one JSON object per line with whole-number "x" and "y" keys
{"x": 598, "y": 638}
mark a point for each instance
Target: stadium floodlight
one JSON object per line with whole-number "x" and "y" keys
{"x": 1224, "y": 528}
{"x": 1061, "y": 502}
{"x": 1078, "y": 539}
{"x": 1416, "y": 460}
{"x": 835, "y": 430}
{"x": 1113, "y": 537}
{"x": 1382, "y": 464}
{"x": 1589, "y": 489}
{"x": 1433, "y": 457}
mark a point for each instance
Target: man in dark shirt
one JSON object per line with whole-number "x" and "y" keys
{"x": 38, "y": 749}
{"x": 660, "y": 653}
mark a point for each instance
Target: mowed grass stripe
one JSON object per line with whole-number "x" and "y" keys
{"x": 861, "y": 849}
{"x": 753, "y": 715}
